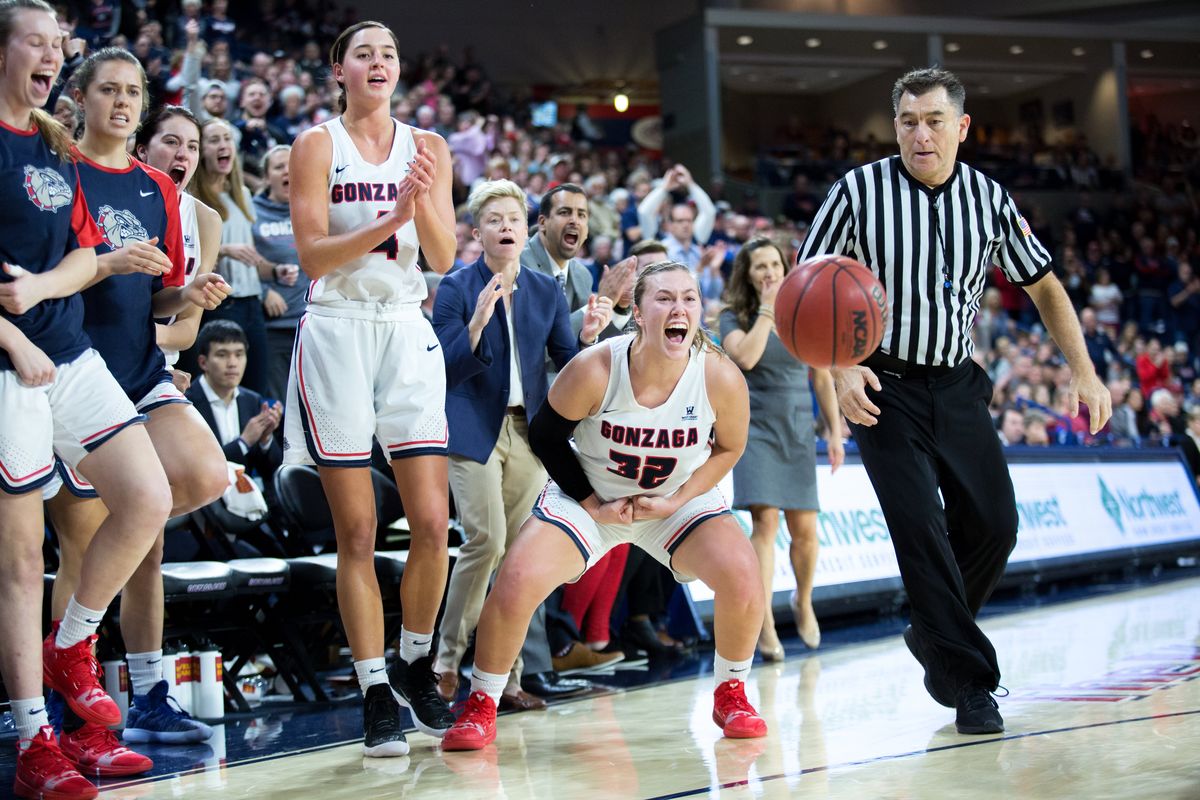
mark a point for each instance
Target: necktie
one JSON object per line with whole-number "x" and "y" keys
{"x": 561, "y": 279}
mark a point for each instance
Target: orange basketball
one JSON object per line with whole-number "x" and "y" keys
{"x": 830, "y": 312}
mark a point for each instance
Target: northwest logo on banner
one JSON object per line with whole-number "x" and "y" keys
{"x": 1065, "y": 509}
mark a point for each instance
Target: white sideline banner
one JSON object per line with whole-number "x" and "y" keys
{"x": 1065, "y": 509}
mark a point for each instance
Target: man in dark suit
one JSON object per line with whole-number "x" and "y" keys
{"x": 562, "y": 230}
{"x": 244, "y": 423}
{"x": 496, "y": 322}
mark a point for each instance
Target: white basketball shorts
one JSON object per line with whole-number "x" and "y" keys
{"x": 658, "y": 537}
{"x": 81, "y": 410}
{"x": 356, "y": 379}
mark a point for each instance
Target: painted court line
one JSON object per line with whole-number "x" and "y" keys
{"x": 927, "y": 751}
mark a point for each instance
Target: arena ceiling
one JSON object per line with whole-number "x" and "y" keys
{"x": 588, "y": 50}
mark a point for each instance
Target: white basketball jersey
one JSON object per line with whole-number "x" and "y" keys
{"x": 628, "y": 449}
{"x": 191, "y": 254}
{"x": 359, "y": 192}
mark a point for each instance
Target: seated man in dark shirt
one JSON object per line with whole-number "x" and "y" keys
{"x": 244, "y": 422}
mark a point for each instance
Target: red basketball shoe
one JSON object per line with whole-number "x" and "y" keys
{"x": 97, "y": 751}
{"x": 44, "y": 772}
{"x": 733, "y": 713}
{"x": 74, "y": 673}
{"x": 476, "y": 728}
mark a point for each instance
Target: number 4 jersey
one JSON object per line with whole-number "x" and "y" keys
{"x": 360, "y": 192}
{"x": 627, "y": 449}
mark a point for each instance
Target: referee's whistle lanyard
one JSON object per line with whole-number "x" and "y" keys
{"x": 947, "y": 281}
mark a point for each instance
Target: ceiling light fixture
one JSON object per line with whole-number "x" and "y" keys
{"x": 621, "y": 102}
{"x": 1078, "y": 51}
{"x": 812, "y": 41}
{"x": 1016, "y": 49}
{"x": 952, "y": 47}
{"x": 1147, "y": 54}
{"x": 879, "y": 44}
{"x": 745, "y": 40}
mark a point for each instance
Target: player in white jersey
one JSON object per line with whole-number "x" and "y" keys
{"x": 659, "y": 417}
{"x": 170, "y": 141}
{"x": 366, "y": 192}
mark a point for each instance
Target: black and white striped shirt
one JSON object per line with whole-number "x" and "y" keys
{"x": 931, "y": 249}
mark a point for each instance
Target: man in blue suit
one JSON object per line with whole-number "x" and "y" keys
{"x": 496, "y": 323}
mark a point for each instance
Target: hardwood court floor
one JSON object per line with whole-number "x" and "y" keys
{"x": 1104, "y": 704}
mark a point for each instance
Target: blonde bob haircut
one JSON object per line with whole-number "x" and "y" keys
{"x": 488, "y": 191}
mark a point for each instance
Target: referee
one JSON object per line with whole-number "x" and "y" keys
{"x": 930, "y": 228}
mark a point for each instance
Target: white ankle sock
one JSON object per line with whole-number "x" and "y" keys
{"x": 370, "y": 671}
{"x": 145, "y": 670}
{"x": 490, "y": 684}
{"x": 726, "y": 670}
{"x": 29, "y": 716}
{"x": 77, "y": 624}
{"x": 414, "y": 645}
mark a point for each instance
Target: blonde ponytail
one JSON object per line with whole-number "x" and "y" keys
{"x": 56, "y": 136}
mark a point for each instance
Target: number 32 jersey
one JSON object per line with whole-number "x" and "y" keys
{"x": 627, "y": 449}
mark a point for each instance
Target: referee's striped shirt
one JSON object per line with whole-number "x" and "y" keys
{"x": 931, "y": 249}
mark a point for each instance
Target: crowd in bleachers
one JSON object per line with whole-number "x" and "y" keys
{"x": 1125, "y": 257}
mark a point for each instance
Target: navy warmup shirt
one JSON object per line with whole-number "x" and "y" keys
{"x": 45, "y": 217}
{"x": 132, "y": 204}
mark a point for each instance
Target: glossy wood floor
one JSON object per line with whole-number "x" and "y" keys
{"x": 1104, "y": 703}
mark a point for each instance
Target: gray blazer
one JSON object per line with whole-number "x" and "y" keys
{"x": 579, "y": 278}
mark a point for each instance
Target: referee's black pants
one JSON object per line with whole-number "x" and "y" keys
{"x": 934, "y": 432}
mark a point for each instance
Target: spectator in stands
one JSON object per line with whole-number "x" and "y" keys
{"x": 495, "y": 340}
{"x": 1166, "y": 417}
{"x": 242, "y": 420}
{"x": 221, "y": 71}
{"x": 470, "y": 145}
{"x": 1036, "y": 434}
{"x": 219, "y": 185}
{"x": 1123, "y": 427}
{"x": 285, "y": 290}
{"x": 1100, "y": 347}
{"x": 801, "y": 203}
{"x": 218, "y": 27}
{"x": 1153, "y": 278}
{"x": 1106, "y": 298}
{"x": 1184, "y": 297}
{"x": 991, "y": 322}
{"x": 689, "y": 223}
{"x": 603, "y": 219}
{"x": 1153, "y": 368}
{"x": 292, "y": 119}
{"x": 99, "y": 22}
{"x": 258, "y": 135}
{"x": 189, "y": 18}
{"x": 1011, "y": 426}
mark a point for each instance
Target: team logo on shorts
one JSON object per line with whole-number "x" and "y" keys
{"x": 47, "y": 189}
{"x": 119, "y": 228}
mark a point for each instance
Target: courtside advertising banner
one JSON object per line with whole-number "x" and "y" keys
{"x": 1065, "y": 509}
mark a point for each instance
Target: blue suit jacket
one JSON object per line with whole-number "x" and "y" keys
{"x": 477, "y": 381}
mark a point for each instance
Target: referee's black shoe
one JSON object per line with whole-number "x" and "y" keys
{"x": 943, "y": 695}
{"x": 977, "y": 711}
{"x": 382, "y": 735}
{"x": 415, "y": 687}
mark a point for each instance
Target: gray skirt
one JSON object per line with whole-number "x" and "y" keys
{"x": 779, "y": 466}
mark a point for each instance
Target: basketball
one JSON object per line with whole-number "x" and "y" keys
{"x": 830, "y": 312}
